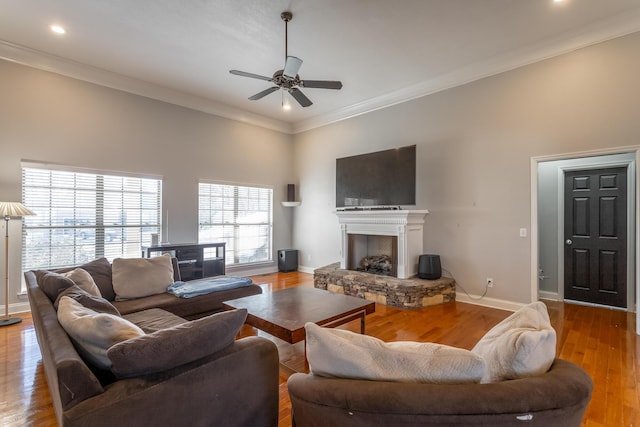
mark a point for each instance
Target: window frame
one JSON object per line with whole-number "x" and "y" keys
{"x": 233, "y": 258}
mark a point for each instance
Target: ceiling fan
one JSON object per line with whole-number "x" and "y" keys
{"x": 288, "y": 78}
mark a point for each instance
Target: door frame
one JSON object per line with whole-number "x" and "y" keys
{"x": 633, "y": 299}
{"x": 631, "y": 192}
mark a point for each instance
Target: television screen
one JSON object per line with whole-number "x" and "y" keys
{"x": 381, "y": 179}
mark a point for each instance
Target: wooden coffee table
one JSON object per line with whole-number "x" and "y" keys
{"x": 284, "y": 313}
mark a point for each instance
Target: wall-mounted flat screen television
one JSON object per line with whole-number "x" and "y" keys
{"x": 380, "y": 179}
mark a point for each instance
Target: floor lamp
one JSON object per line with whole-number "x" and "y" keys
{"x": 8, "y": 210}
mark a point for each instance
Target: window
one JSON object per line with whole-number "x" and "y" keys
{"x": 239, "y": 215}
{"x": 84, "y": 216}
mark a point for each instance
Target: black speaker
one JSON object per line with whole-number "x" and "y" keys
{"x": 291, "y": 192}
{"x": 287, "y": 260}
{"x": 429, "y": 267}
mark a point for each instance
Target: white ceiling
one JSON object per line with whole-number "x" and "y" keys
{"x": 384, "y": 52}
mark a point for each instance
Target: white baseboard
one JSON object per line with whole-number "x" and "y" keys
{"x": 20, "y": 307}
{"x": 489, "y": 302}
{"x": 551, "y": 296}
{"x": 305, "y": 269}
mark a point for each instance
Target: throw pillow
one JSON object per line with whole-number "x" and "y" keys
{"x": 141, "y": 277}
{"x": 52, "y": 283}
{"x": 84, "y": 280}
{"x": 345, "y": 354}
{"x": 100, "y": 271}
{"x": 93, "y": 302}
{"x": 522, "y": 345}
{"x": 168, "y": 348}
{"x": 92, "y": 332}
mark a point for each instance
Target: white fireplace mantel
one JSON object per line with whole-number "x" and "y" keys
{"x": 406, "y": 225}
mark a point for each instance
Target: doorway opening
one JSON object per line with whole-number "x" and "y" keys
{"x": 561, "y": 265}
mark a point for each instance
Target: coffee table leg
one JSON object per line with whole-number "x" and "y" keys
{"x": 362, "y": 323}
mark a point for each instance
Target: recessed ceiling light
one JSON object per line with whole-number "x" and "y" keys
{"x": 58, "y": 29}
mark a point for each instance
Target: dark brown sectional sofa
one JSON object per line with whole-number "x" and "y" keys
{"x": 233, "y": 386}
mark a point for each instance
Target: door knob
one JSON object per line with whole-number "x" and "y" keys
{"x": 569, "y": 242}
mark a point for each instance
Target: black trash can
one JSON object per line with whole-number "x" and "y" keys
{"x": 287, "y": 260}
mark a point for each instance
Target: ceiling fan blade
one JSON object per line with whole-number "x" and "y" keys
{"x": 253, "y": 76}
{"x": 263, "y": 93}
{"x": 321, "y": 84}
{"x": 300, "y": 97}
{"x": 291, "y": 67}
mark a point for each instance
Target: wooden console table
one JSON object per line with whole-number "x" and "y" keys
{"x": 194, "y": 260}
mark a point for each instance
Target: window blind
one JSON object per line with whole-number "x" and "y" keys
{"x": 83, "y": 216}
{"x": 241, "y": 216}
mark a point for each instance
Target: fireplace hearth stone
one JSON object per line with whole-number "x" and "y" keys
{"x": 402, "y": 293}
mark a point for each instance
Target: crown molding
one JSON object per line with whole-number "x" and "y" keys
{"x": 617, "y": 26}
{"x": 55, "y": 64}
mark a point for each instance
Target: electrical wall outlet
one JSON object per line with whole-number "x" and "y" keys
{"x": 489, "y": 282}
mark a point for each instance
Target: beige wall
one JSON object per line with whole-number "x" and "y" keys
{"x": 48, "y": 117}
{"x": 474, "y": 145}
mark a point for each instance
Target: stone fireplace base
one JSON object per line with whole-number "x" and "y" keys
{"x": 402, "y": 293}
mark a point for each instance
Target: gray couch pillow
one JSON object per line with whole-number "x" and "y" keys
{"x": 100, "y": 271}
{"x": 93, "y": 302}
{"x": 52, "y": 283}
{"x": 94, "y": 333}
{"x": 83, "y": 279}
{"x": 181, "y": 344}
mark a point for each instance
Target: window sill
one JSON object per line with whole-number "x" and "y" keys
{"x": 251, "y": 269}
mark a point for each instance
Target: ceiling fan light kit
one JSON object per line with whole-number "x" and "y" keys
{"x": 288, "y": 78}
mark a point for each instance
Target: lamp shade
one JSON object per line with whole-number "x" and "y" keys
{"x": 14, "y": 209}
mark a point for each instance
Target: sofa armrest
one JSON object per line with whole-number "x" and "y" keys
{"x": 236, "y": 386}
{"x": 70, "y": 380}
{"x": 557, "y": 398}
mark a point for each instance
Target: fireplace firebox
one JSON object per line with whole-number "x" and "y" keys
{"x": 371, "y": 253}
{"x": 395, "y": 233}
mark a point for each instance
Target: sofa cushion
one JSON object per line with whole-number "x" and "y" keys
{"x": 141, "y": 277}
{"x": 100, "y": 271}
{"x": 52, "y": 283}
{"x": 522, "y": 345}
{"x": 84, "y": 280}
{"x": 93, "y": 302}
{"x": 168, "y": 348}
{"x": 345, "y": 354}
{"x": 154, "y": 319}
{"x": 92, "y": 332}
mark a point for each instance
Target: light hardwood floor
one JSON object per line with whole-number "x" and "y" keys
{"x": 601, "y": 341}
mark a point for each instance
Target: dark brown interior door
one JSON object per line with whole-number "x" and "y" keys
{"x": 595, "y": 232}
